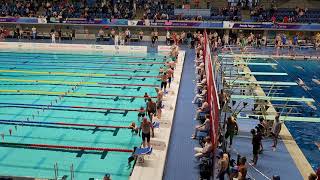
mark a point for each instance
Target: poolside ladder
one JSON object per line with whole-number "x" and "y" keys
{"x": 56, "y": 173}
{"x": 71, "y": 172}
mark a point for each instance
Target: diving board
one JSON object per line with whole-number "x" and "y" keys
{"x": 282, "y": 118}
{"x": 264, "y": 73}
{"x": 292, "y": 99}
{"x": 244, "y": 55}
{"x": 230, "y": 81}
{"x": 250, "y": 63}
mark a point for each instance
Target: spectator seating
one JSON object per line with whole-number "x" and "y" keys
{"x": 307, "y": 15}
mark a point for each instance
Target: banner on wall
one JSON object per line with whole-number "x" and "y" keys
{"x": 168, "y": 23}
{"x": 132, "y": 22}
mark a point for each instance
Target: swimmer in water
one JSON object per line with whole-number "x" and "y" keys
{"x": 146, "y": 97}
{"x": 141, "y": 113}
{"x": 302, "y": 84}
{"x": 317, "y": 81}
{"x": 317, "y": 144}
{"x": 134, "y": 128}
{"x": 299, "y": 67}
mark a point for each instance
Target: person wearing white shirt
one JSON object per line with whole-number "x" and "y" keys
{"x": 116, "y": 40}
{"x": 34, "y": 32}
{"x": 53, "y": 37}
{"x": 168, "y": 38}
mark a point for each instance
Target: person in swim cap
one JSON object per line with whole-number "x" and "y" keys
{"x": 107, "y": 177}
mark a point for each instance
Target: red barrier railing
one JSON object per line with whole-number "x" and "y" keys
{"x": 212, "y": 95}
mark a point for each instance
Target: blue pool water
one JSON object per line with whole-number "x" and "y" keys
{"x": 33, "y": 87}
{"x": 305, "y": 133}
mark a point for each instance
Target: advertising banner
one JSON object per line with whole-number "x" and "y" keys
{"x": 169, "y": 23}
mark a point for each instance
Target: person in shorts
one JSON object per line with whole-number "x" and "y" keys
{"x": 256, "y": 143}
{"x": 151, "y": 108}
{"x": 146, "y": 128}
{"x": 164, "y": 81}
{"x": 170, "y": 73}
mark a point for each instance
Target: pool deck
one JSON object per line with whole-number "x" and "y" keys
{"x": 288, "y": 161}
{"x": 154, "y": 164}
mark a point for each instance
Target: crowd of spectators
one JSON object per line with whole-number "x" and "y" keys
{"x": 81, "y": 9}
{"x": 285, "y": 15}
{"x": 69, "y": 9}
{"x": 156, "y": 9}
{"x": 19, "y": 8}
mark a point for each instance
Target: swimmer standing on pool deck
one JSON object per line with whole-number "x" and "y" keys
{"x": 317, "y": 144}
{"x": 170, "y": 73}
{"x": 164, "y": 81}
{"x": 159, "y": 102}
{"x": 151, "y": 108}
{"x": 145, "y": 127}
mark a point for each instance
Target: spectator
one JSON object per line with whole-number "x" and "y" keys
{"x": 199, "y": 98}
{"x": 285, "y": 19}
{"x": 204, "y": 127}
{"x": 256, "y": 143}
{"x": 276, "y": 128}
{"x": 242, "y": 170}
{"x": 223, "y": 98}
{"x": 232, "y": 129}
{"x": 204, "y": 151}
{"x": 204, "y": 109}
{"x": 223, "y": 166}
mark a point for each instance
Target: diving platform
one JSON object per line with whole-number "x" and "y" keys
{"x": 250, "y": 63}
{"x": 279, "y": 83}
{"x": 282, "y": 118}
{"x": 273, "y": 98}
{"x": 264, "y": 73}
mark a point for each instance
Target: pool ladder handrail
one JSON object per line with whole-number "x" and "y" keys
{"x": 71, "y": 172}
{"x": 56, "y": 173}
